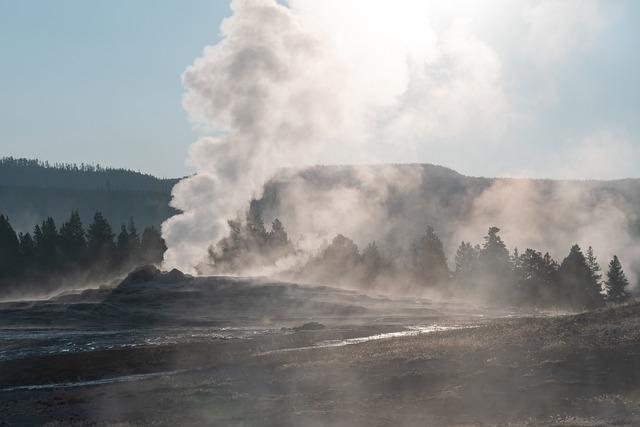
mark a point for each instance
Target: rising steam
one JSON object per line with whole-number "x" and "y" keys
{"x": 311, "y": 83}
{"x": 315, "y": 82}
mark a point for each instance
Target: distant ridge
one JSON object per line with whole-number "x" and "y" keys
{"x": 35, "y": 173}
{"x": 32, "y": 190}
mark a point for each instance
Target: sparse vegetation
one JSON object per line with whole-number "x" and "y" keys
{"x": 486, "y": 272}
{"x": 51, "y": 259}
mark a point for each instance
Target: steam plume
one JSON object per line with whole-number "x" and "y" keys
{"x": 305, "y": 84}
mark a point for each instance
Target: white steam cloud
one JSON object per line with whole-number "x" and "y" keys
{"x": 337, "y": 81}
{"x": 304, "y": 84}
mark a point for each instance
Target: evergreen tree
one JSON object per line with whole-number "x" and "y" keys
{"x": 579, "y": 288}
{"x": 342, "y": 251}
{"x": 617, "y": 283}
{"x": 339, "y": 262}
{"x": 100, "y": 246}
{"x": 9, "y": 250}
{"x": 516, "y": 260}
{"x": 594, "y": 267}
{"x": 535, "y": 278}
{"x": 230, "y": 251}
{"x": 278, "y": 237}
{"x": 134, "y": 239}
{"x": 128, "y": 245}
{"x": 373, "y": 263}
{"x": 495, "y": 266}
{"x": 517, "y": 266}
{"x": 429, "y": 262}
{"x": 494, "y": 251}
{"x": 123, "y": 247}
{"x": 256, "y": 234}
{"x": 73, "y": 242}
{"x": 466, "y": 264}
{"x": 152, "y": 246}
{"x": 27, "y": 249}
{"x": 47, "y": 245}
{"x": 551, "y": 268}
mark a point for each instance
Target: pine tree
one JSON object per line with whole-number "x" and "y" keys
{"x": 429, "y": 262}
{"x": 578, "y": 286}
{"x": 123, "y": 246}
{"x": 373, "y": 263}
{"x": 134, "y": 239}
{"x": 73, "y": 242}
{"x": 152, "y": 246}
{"x": 516, "y": 266}
{"x": 515, "y": 259}
{"x": 466, "y": 264}
{"x": 536, "y": 278}
{"x": 256, "y": 234}
{"x": 495, "y": 266}
{"x": 617, "y": 283}
{"x": 494, "y": 250}
{"x": 594, "y": 267}
{"x": 278, "y": 237}
{"x": 27, "y": 248}
{"x": 100, "y": 246}
{"x": 342, "y": 250}
{"x": 339, "y": 262}
{"x": 48, "y": 245}
{"x": 9, "y": 250}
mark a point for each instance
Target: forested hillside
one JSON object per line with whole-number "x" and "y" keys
{"x": 31, "y": 191}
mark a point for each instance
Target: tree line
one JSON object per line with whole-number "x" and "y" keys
{"x": 486, "y": 271}
{"x": 50, "y": 257}
{"x": 35, "y": 173}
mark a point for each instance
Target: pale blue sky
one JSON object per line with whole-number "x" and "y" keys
{"x": 99, "y": 82}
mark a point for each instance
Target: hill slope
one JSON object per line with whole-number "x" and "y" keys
{"x": 393, "y": 204}
{"x": 31, "y": 190}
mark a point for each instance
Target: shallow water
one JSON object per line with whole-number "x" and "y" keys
{"x": 20, "y": 343}
{"x": 410, "y": 331}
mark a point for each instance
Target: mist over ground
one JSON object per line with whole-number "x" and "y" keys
{"x": 305, "y": 83}
{"x": 314, "y": 273}
{"x": 391, "y": 204}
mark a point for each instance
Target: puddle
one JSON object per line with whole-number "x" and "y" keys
{"x": 409, "y": 332}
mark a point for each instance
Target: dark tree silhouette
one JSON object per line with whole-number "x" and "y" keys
{"x": 535, "y": 278}
{"x": 466, "y": 265}
{"x": 47, "y": 245}
{"x": 340, "y": 262}
{"x": 617, "y": 283}
{"x": 100, "y": 245}
{"x": 123, "y": 247}
{"x": 128, "y": 245}
{"x": 373, "y": 263}
{"x": 152, "y": 246}
{"x": 27, "y": 249}
{"x": 594, "y": 267}
{"x": 342, "y": 251}
{"x": 495, "y": 267}
{"x": 428, "y": 260}
{"x": 9, "y": 250}
{"x": 42, "y": 262}
{"x": 73, "y": 242}
{"x": 579, "y": 287}
{"x": 278, "y": 237}
{"x": 134, "y": 238}
{"x": 248, "y": 244}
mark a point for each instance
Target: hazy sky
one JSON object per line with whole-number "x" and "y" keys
{"x": 553, "y": 86}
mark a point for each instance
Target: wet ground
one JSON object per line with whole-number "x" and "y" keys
{"x": 408, "y": 366}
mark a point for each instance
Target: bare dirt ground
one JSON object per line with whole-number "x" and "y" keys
{"x": 579, "y": 370}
